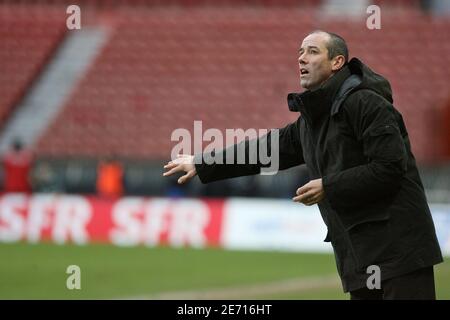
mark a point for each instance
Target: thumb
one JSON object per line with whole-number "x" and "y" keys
{"x": 186, "y": 177}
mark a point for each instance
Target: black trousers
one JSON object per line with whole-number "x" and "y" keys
{"x": 417, "y": 285}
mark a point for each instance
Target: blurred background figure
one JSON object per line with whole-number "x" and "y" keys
{"x": 110, "y": 178}
{"x": 17, "y": 164}
{"x": 45, "y": 179}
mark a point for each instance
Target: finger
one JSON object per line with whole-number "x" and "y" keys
{"x": 303, "y": 189}
{"x": 170, "y": 165}
{"x": 304, "y": 197}
{"x": 299, "y": 198}
{"x": 182, "y": 160}
{"x": 179, "y": 159}
{"x": 314, "y": 199}
{"x": 307, "y": 196}
{"x": 172, "y": 171}
{"x": 186, "y": 177}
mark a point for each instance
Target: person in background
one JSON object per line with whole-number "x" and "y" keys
{"x": 110, "y": 178}
{"x": 17, "y": 163}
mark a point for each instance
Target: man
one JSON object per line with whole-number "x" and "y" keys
{"x": 364, "y": 176}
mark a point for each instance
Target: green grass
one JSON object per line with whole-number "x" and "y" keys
{"x": 39, "y": 271}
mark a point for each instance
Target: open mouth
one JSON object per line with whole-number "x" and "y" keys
{"x": 303, "y": 71}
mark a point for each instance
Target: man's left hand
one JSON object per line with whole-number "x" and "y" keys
{"x": 311, "y": 193}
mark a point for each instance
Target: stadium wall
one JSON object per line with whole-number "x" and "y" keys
{"x": 233, "y": 223}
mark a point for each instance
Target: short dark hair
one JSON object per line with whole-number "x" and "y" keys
{"x": 17, "y": 144}
{"x": 336, "y": 45}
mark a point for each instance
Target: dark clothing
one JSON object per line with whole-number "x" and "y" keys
{"x": 416, "y": 285}
{"x": 350, "y": 135}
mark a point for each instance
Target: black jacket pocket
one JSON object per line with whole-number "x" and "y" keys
{"x": 385, "y": 143}
{"x": 371, "y": 241}
{"x": 368, "y": 220}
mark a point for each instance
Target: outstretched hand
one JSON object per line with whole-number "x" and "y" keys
{"x": 183, "y": 163}
{"x": 311, "y": 193}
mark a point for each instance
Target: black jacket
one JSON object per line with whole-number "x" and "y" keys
{"x": 350, "y": 135}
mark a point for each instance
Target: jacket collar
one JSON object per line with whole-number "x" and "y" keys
{"x": 325, "y": 99}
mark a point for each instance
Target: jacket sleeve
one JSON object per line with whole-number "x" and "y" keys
{"x": 277, "y": 150}
{"x": 373, "y": 122}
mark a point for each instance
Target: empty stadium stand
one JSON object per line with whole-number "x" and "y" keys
{"x": 232, "y": 68}
{"x": 28, "y": 37}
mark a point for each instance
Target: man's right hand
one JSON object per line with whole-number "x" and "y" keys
{"x": 183, "y": 163}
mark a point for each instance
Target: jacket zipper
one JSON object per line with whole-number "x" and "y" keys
{"x": 309, "y": 128}
{"x": 346, "y": 234}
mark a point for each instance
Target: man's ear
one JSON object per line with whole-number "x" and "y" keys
{"x": 337, "y": 62}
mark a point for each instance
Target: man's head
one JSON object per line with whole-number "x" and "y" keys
{"x": 17, "y": 144}
{"x": 321, "y": 55}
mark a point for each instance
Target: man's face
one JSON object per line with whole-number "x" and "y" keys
{"x": 315, "y": 67}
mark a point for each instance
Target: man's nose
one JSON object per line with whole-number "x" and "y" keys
{"x": 301, "y": 59}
